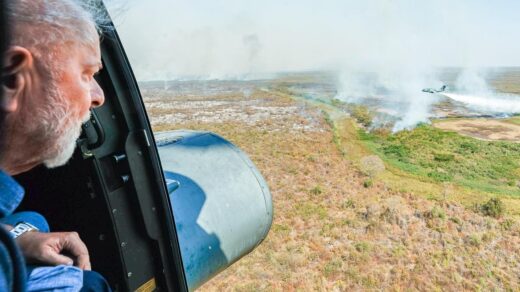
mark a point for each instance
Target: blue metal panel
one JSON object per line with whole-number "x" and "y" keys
{"x": 222, "y": 205}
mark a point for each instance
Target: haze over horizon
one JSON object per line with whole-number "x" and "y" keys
{"x": 166, "y": 39}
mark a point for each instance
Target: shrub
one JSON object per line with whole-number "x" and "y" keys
{"x": 456, "y": 220}
{"x": 368, "y": 183}
{"x": 316, "y": 190}
{"x": 507, "y": 224}
{"x": 443, "y": 157}
{"x": 382, "y": 132}
{"x": 468, "y": 147}
{"x": 362, "y": 114}
{"x": 474, "y": 240}
{"x": 308, "y": 210}
{"x": 440, "y": 176}
{"x": 349, "y": 204}
{"x": 336, "y": 102}
{"x": 396, "y": 150}
{"x": 282, "y": 229}
{"x": 332, "y": 267}
{"x": 327, "y": 118}
{"x": 435, "y": 212}
{"x": 362, "y": 246}
{"x": 493, "y": 208}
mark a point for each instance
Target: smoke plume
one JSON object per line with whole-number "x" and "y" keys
{"x": 382, "y": 49}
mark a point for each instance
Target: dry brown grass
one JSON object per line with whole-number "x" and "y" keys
{"x": 485, "y": 129}
{"x": 332, "y": 233}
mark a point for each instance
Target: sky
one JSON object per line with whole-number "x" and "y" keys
{"x": 172, "y": 39}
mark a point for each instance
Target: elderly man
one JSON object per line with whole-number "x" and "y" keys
{"x": 49, "y": 89}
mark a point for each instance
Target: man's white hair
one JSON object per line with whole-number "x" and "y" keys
{"x": 43, "y": 26}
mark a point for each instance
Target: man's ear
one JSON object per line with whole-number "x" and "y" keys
{"x": 18, "y": 62}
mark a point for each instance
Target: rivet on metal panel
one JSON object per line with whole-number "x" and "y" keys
{"x": 119, "y": 158}
{"x": 153, "y": 209}
{"x": 113, "y": 117}
{"x": 101, "y": 236}
{"x": 114, "y": 211}
{"x": 123, "y": 244}
{"x": 125, "y": 178}
{"x": 129, "y": 274}
{"x": 139, "y": 153}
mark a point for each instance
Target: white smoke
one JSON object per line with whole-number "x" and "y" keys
{"x": 229, "y": 38}
{"x": 491, "y": 103}
{"x": 473, "y": 81}
{"x": 402, "y": 92}
{"x": 399, "y": 90}
{"x": 398, "y": 44}
{"x": 473, "y": 90}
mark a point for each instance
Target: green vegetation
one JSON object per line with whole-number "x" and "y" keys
{"x": 281, "y": 229}
{"x": 361, "y": 113}
{"x": 507, "y": 224}
{"x": 317, "y": 190}
{"x": 434, "y": 155}
{"x": 308, "y": 210}
{"x": 332, "y": 267}
{"x": 436, "y": 212}
{"x": 330, "y": 122}
{"x": 474, "y": 240}
{"x": 494, "y": 208}
{"x": 349, "y": 204}
{"x": 362, "y": 246}
{"x": 331, "y": 233}
{"x": 514, "y": 120}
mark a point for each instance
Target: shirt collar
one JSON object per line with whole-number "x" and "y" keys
{"x": 11, "y": 194}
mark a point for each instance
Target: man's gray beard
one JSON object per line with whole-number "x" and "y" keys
{"x": 66, "y": 144}
{"x": 63, "y": 143}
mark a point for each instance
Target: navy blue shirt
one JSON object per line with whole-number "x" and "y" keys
{"x": 12, "y": 266}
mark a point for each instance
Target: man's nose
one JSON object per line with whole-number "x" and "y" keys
{"x": 96, "y": 95}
